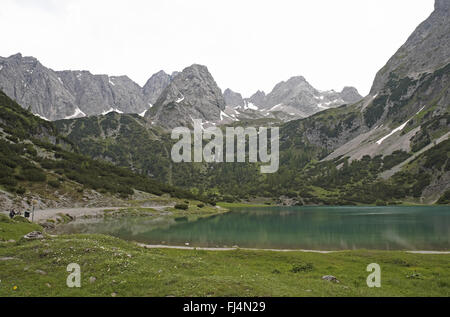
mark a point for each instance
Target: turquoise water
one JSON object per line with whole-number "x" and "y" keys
{"x": 312, "y": 228}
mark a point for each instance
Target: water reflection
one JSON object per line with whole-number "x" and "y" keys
{"x": 315, "y": 228}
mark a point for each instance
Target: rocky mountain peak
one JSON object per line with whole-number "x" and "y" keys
{"x": 233, "y": 99}
{"x": 155, "y": 86}
{"x": 192, "y": 94}
{"x": 426, "y": 50}
{"x": 443, "y": 5}
{"x": 258, "y": 98}
{"x": 350, "y": 94}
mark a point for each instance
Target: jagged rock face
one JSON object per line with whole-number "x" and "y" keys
{"x": 192, "y": 94}
{"x": 69, "y": 94}
{"x": 350, "y": 95}
{"x": 442, "y": 5}
{"x": 96, "y": 94}
{"x": 297, "y": 97}
{"x": 258, "y": 99}
{"x": 155, "y": 86}
{"x": 427, "y": 49}
{"x": 233, "y": 99}
{"x": 27, "y": 81}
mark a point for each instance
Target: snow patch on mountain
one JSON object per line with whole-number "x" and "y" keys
{"x": 400, "y": 128}
{"x": 111, "y": 110}
{"x": 78, "y": 113}
{"x": 42, "y": 117}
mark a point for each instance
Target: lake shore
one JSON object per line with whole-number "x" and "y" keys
{"x": 119, "y": 268}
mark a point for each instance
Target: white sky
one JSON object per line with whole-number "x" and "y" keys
{"x": 246, "y": 44}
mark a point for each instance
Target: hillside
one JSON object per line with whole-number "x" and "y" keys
{"x": 36, "y": 163}
{"x": 389, "y": 147}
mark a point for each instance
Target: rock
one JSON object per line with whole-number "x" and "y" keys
{"x": 330, "y": 278}
{"x": 233, "y": 99}
{"x": 426, "y": 50}
{"x": 7, "y": 259}
{"x": 73, "y": 94}
{"x": 155, "y": 86}
{"x": 298, "y": 96}
{"x": 35, "y": 235}
{"x": 48, "y": 285}
{"x": 92, "y": 279}
{"x": 41, "y": 272}
{"x": 11, "y": 241}
{"x": 192, "y": 94}
{"x": 258, "y": 99}
{"x": 113, "y": 294}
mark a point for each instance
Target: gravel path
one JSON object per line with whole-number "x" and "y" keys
{"x": 41, "y": 215}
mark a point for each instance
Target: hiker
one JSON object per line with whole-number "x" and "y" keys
{"x": 12, "y": 213}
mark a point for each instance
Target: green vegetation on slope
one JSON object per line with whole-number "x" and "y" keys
{"x": 32, "y": 152}
{"x": 131, "y": 141}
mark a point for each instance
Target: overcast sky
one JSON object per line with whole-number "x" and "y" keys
{"x": 246, "y": 44}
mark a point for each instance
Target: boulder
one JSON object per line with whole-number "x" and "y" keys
{"x": 35, "y": 235}
{"x": 330, "y": 278}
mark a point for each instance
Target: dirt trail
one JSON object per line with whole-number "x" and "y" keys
{"x": 160, "y": 246}
{"x": 43, "y": 214}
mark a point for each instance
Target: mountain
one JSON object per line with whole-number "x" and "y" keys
{"x": 192, "y": 94}
{"x": 57, "y": 95}
{"x": 233, "y": 99}
{"x": 27, "y": 81}
{"x": 296, "y": 96}
{"x": 389, "y": 147}
{"x": 97, "y": 94}
{"x": 258, "y": 99}
{"x": 37, "y": 163}
{"x": 426, "y": 50}
{"x": 155, "y": 86}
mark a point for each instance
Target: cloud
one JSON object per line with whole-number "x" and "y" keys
{"x": 247, "y": 45}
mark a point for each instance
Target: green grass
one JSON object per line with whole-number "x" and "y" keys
{"x": 123, "y": 268}
{"x": 15, "y": 229}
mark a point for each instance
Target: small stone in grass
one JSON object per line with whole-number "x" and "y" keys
{"x": 92, "y": 279}
{"x": 330, "y": 278}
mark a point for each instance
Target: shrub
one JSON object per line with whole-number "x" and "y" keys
{"x": 34, "y": 175}
{"x": 9, "y": 181}
{"x": 54, "y": 184}
{"x": 445, "y": 198}
{"x": 182, "y": 206}
{"x": 302, "y": 267}
{"x": 21, "y": 190}
{"x": 4, "y": 218}
{"x": 20, "y": 219}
